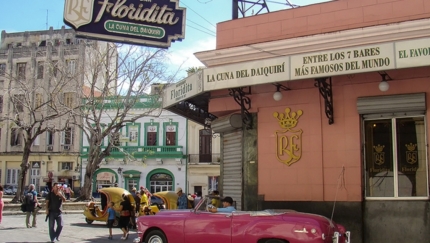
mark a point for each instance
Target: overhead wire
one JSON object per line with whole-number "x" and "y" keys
{"x": 200, "y": 30}
{"x": 202, "y": 26}
{"x": 198, "y": 14}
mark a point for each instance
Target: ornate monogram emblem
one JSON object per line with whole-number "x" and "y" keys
{"x": 78, "y": 12}
{"x": 379, "y": 154}
{"x": 411, "y": 154}
{"x": 288, "y": 140}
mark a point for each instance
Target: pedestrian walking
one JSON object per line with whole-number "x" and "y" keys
{"x": 54, "y": 207}
{"x": 67, "y": 192}
{"x": 1, "y": 202}
{"x": 111, "y": 219}
{"x": 182, "y": 202}
{"x": 31, "y": 205}
{"x": 124, "y": 216}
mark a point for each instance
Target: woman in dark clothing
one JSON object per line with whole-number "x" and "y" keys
{"x": 125, "y": 213}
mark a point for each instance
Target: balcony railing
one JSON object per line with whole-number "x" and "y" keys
{"x": 142, "y": 151}
{"x": 204, "y": 158}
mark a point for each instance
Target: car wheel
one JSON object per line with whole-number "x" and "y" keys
{"x": 155, "y": 236}
{"x": 89, "y": 221}
{"x": 274, "y": 241}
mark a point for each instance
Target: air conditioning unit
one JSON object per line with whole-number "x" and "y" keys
{"x": 50, "y": 147}
{"x": 66, "y": 147}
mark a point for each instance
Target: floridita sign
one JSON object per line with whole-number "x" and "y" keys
{"x": 143, "y": 22}
{"x": 185, "y": 89}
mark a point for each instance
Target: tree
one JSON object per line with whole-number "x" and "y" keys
{"x": 33, "y": 107}
{"x": 125, "y": 84}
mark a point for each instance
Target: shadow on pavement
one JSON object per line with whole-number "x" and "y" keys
{"x": 96, "y": 225}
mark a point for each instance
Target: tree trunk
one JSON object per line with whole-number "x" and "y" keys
{"x": 92, "y": 165}
{"x": 22, "y": 175}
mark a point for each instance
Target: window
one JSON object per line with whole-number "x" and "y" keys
{"x": 132, "y": 183}
{"x": 66, "y": 165}
{"x": 50, "y": 138}
{"x": 20, "y": 70}
{"x": 2, "y": 69}
{"x": 54, "y": 68}
{"x": 151, "y": 134}
{"x": 67, "y": 138}
{"x": 37, "y": 139}
{"x": 133, "y": 134}
{"x": 114, "y": 138}
{"x": 15, "y": 136}
{"x": 170, "y": 129}
{"x": 395, "y": 154}
{"x": 71, "y": 67}
{"x": 40, "y": 65}
{"x": 68, "y": 99}
{"x": 38, "y": 101}
{"x": 1, "y": 104}
{"x": 12, "y": 176}
{"x": 161, "y": 182}
{"x": 18, "y": 101}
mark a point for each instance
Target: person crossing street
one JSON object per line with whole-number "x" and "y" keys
{"x": 54, "y": 208}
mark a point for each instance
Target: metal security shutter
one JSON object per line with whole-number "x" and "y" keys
{"x": 232, "y": 166}
{"x": 391, "y": 103}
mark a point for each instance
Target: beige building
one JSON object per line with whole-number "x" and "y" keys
{"x": 203, "y": 159}
{"x": 40, "y": 58}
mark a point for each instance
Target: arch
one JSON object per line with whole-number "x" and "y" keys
{"x": 100, "y": 171}
{"x": 159, "y": 171}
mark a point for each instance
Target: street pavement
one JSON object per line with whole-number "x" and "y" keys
{"x": 76, "y": 230}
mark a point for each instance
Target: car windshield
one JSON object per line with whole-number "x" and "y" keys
{"x": 206, "y": 202}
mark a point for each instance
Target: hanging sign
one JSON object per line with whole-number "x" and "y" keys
{"x": 143, "y": 22}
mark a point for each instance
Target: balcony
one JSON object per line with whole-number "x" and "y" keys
{"x": 142, "y": 152}
{"x": 204, "y": 158}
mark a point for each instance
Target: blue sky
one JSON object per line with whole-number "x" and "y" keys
{"x": 202, "y": 17}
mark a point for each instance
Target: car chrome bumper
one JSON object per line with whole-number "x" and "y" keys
{"x": 337, "y": 235}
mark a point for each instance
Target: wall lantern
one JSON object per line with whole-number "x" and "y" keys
{"x": 277, "y": 96}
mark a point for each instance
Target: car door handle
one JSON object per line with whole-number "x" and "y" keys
{"x": 301, "y": 231}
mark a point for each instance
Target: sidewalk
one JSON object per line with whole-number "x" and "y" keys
{"x": 69, "y": 207}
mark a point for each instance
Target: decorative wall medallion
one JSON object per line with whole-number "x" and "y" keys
{"x": 288, "y": 140}
{"x": 379, "y": 154}
{"x": 411, "y": 154}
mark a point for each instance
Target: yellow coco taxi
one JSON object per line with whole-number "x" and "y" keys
{"x": 94, "y": 211}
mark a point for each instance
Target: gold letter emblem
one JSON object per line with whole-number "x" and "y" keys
{"x": 288, "y": 141}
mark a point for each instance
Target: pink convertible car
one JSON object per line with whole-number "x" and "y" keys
{"x": 269, "y": 226}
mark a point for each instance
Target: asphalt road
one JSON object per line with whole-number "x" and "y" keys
{"x": 13, "y": 230}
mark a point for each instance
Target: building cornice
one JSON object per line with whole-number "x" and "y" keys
{"x": 334, "y": 40}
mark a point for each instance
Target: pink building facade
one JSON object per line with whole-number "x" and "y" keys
{"x": 332, "y": 104}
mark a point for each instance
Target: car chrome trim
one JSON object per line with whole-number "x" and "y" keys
{"x": 348, "y": 237}
{"x": 335, "y": 238}
{"x": 301, "y": 231}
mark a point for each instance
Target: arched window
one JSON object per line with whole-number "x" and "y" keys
{"x": 161, "y": 182}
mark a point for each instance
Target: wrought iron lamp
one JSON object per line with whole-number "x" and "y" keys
{"x": 277, "y": 96}
{"x": 384, "y": 85}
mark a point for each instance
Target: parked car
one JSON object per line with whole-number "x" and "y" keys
{"x": 8, "y": 190}
{"x": 268, "y": 226}
{"x": 14, "y": 189}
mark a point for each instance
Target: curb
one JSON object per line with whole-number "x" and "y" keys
{"x": 42, "y": 212}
